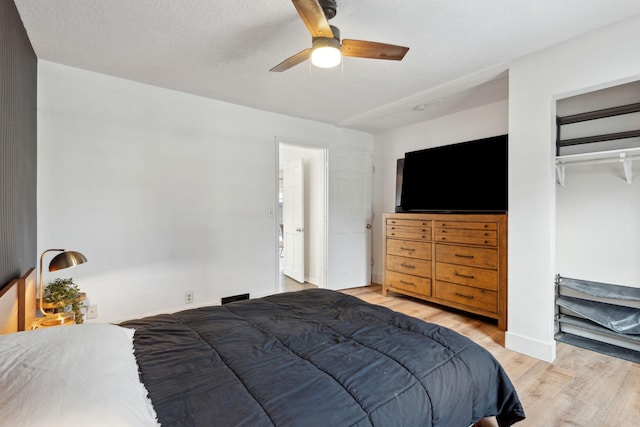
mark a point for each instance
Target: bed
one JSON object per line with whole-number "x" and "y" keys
{"x": 307, "y": 358}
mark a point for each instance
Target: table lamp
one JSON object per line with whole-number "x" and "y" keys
{"x": 65, "y": 259}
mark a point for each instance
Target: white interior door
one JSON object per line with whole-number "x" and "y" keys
{"x": 293, "y": 219}
{"x": 350, "y": 219}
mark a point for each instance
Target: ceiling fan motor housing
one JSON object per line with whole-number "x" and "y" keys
{"x": 330, "y": 8}
{"x": 336, "y": 32}
{"x": 319, "y": 42}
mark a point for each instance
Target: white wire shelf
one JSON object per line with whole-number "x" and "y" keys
{"x": 625, "y": 157}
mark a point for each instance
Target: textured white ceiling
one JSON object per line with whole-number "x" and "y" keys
{"x": 223, "y": 49}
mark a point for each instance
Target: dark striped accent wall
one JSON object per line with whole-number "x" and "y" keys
{"x": 18, "y": 146}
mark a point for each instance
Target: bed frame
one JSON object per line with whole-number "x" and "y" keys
{"x": 18, "y": 304}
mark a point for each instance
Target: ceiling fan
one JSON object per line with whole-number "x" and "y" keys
{"x": 327, "y": 50}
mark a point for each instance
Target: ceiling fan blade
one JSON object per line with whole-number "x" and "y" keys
{"x": 373, "y": 50}
{"x": 292, "y": 61}
{"x": 313, "y": 17}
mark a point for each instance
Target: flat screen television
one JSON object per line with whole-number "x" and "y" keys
{"x": 468, "y": 177}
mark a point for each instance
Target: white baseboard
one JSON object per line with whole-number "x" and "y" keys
{"x": 376, "y": 278}
{"x": 539, "y": 349}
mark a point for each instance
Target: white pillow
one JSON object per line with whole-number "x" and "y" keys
{"x": 72, "y": 375}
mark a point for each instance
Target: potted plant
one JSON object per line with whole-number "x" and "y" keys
{"x": 64, "y": 296}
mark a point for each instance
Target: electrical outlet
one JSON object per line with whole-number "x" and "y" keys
{"x": 188, "y": 297}
{"x": 92, "y": 312}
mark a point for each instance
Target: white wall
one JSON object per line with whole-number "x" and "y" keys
{"x": 592, "y": 61}
{"x": 598, "y": 225}
{"x": 314, "y": 207}
{"x": 481, "y": 122}
{"x": 163, "y": 191}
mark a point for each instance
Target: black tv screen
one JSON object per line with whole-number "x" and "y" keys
{"x": 465, "y": 177}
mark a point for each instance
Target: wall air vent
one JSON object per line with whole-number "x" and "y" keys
{"x": 226, "y": 300}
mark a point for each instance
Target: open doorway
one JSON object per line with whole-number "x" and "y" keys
{"x": 302, "y": 233}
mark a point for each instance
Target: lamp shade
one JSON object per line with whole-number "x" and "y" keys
{"x": 66, "y": 259}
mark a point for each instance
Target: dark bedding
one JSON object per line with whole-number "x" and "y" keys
{"x": 316, "y": 358}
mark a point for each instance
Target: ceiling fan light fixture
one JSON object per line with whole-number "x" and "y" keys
{"x": 327, "y": 48}
{"x": 326, "y": 52}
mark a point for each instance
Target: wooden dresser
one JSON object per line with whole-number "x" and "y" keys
{"x": 456, "y": 260}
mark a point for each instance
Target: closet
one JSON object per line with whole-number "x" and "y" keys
{"x": 598, "y": 220}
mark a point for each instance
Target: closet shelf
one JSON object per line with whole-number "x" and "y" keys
{"x": 623, "y": 156}
{"x": 599, "y": 114}
{"x": 598, "y": 138}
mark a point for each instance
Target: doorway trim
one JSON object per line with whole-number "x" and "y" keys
{"x": 322, "y": 251}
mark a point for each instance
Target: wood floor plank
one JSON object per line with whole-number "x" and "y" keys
{"x": 580, "y": 388}
{"x": 627, "y": 399}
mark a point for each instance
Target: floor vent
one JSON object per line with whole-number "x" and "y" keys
{"x": 233, "y": 298}
{"x": 599, "y": 316}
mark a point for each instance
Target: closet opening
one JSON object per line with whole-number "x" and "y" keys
{"x": 597, "y": 211}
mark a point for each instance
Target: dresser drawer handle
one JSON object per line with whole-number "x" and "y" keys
{"x": 407, "y": 249}
{"x": 407, "y": 283}
{"x": 407, "y": 265}
{"x": 464, "y": 275}
{"x": 464, "y": 296}
{"x": 464, "y": 256}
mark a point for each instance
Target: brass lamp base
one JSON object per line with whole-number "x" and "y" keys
{"x": 57, "y": 319}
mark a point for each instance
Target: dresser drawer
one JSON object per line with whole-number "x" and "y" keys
{"x": 410, "y": 222}
{"x": 466, "y": 225}
{"x": 409, "y": 249}
{"x": 474, "y": 297}
{"x": 407, "y": 282}
{"x": 472, "y": 237}
{"x": 415, "y": 232}
{"x": 413, "y": 266}
{"x": 465, "y": 275}
{"x": 461, "y": 255}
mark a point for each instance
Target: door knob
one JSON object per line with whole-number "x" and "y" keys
{"x": 368, "y": 226}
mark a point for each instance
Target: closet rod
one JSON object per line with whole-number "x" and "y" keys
{"x": 626, "y": 161}
{"x": 597, "y": 161}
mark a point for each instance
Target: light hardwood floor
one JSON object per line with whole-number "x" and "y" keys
{"x": 580, "y": 388}
{"x": 287, "y": 284}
